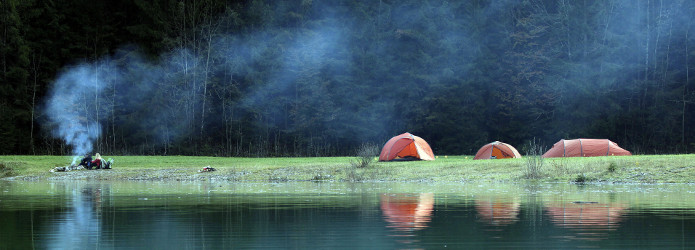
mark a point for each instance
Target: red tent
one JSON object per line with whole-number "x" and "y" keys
{"x": 496, "y": 150}
{"x": 406, "y": 145}
{"x": 585, "y": 148}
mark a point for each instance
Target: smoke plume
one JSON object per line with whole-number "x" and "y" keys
{"x": 69, "y": 108}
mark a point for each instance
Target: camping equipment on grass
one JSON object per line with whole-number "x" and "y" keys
{"x": 497, "y": 150}
{"x": 585, "y": 148}
{"x": 406, "y": 146}
{"x": 207, "y": 169}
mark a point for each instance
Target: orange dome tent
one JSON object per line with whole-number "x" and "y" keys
{"x": 496, "y": 150}
{"x": 585, "y": 148}
{"x": 406, "y": 145}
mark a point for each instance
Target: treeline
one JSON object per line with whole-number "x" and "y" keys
{"x": 320, "y": 78}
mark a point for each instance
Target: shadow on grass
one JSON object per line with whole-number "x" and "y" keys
{"x": 6, "y": 170}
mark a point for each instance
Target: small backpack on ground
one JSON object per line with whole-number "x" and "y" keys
{"x": 106, "y": 164}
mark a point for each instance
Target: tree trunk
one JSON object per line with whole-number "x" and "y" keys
{"x": 207, "y": 70}
{"x": 113, "y": 120}
{"x": 566, "y": 7}
{"x": 659, "y": 21}
{"x": 646, "y": 49}
{"x": 35, "y": 64}
{"x": 668, "y": 49}
{"x": 685, "y": 89}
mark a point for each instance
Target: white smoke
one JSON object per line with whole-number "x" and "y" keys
{"x": 69, "y": 107}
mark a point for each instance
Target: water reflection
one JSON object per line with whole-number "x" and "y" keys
{"x": 338, "y": 215}
{"x": 591, "y": 221}
{"x": 497, "y": 211}
{"x": 80, "y": 225}
{"x": 407, "y": 212}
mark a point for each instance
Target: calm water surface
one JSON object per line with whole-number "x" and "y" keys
{"x": 211, "y": 215}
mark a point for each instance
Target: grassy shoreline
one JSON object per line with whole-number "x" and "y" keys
{"x": 610, "y": 169}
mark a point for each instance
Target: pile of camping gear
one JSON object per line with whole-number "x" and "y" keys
{"x": 86, "y": 163}
{"x": 207, "y": 169}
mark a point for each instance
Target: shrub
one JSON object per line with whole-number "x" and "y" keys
{"x": 534, "y": 160}
{"x": 560, "y": 166}
{"x": 5, "y": 171}
{"x": 580, "y": 178}
{"x": 365, "y": 155}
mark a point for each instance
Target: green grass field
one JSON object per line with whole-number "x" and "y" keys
{"x": 614, "y": 169}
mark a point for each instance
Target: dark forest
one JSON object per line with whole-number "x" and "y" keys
{"x": 321, "y": 78}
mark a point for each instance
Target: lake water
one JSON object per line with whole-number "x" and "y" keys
{"x": 320, "y": 215}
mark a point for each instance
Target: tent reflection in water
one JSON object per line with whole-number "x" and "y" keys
{"x": 407, "y": 212}
{"x": 585, "y": 148}
{"x": 406, "y": 146}
{"x": 497, "y": 211}
{"x": 586, "y": 217}
{"x": 497, "y": 150}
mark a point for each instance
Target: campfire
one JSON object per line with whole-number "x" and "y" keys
{"x": 72, "y": 166}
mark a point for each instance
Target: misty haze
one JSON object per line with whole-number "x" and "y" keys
{"x": 361, "y": 124}
{"x": 322, "y": 78}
